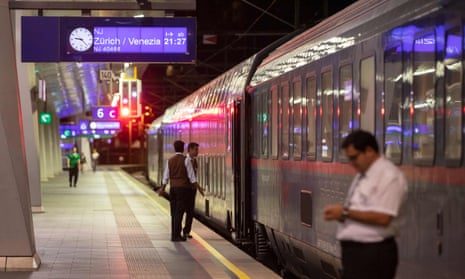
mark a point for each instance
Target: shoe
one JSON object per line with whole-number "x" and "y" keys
{"x": 186, "y": 235}
{"x": 74, "y": 185}
{"x": 179, "y": 238}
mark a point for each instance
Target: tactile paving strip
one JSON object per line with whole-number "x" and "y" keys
{"x": 141, "y": 257}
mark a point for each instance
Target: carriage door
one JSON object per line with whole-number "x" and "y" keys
{"x": 159, "y": 155}
{"x": 236, "y": 162}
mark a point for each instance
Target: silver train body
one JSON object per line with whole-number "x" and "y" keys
{"x": 270, "y": 128}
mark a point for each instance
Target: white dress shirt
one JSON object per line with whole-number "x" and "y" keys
{"x": 383, "y": 189}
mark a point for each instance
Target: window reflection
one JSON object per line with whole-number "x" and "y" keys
{"x": 453, "y": 100}
{"x": 285, "y": 118}
{"x": 311, "y": 117}
{"x": 424, "y": 98}
{"x": 274, "y": 122}
{"x": 345, "y": 104}
{"x": 327, "y": 103}
{"x": 393, "y": 103}
{"x": 367, "y": 94}
{"x": 265, "y": 125}
{"x": 297, "y": 123}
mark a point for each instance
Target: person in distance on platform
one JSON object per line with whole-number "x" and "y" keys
{"x": 83, "y": 161}
{"x": 192, "y": 153}
{"x": 73, "y": 164}
{"x": 94, "y": 157}
{"x": 180, "y": 174}
{"x": 371, "y": 215}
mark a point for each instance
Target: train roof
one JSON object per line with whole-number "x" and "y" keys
{"x": 155, "y": 125}
{"x": 222, "y": 90}
{"x": 356, "y": 23}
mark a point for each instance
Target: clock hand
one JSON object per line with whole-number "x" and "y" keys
{"x": 82, "y": 40}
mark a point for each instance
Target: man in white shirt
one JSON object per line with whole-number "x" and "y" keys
{"x": 192, "y": 153}
{"x": 372, "y": 212}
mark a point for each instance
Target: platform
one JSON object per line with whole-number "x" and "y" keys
{"x": 113, "y": 226}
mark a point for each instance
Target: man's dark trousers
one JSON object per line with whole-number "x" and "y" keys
{"x": 73, "y": 172}
{"x": 369, "y": 260}
{"x": 179, "y": 200}
{"x": 190, "y": 212}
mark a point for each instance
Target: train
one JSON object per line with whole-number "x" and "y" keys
{"x": 270, "y": 130}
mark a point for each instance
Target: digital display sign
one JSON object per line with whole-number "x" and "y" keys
{"x": 86, "y": 128}
{"x": 104, "y": 113}
{"x": 99, "y": 125}
{"x": 140, "y": 40}
{"x": 101, "y": 39}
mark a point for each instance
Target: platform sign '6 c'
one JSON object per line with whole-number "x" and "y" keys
{"x": 104, "y": 113}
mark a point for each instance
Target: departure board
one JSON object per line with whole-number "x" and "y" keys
{"x": 140, "y": 39}
{"x": 114, "y": 39}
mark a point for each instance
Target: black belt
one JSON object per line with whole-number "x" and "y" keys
{"x": 351, "y": 243}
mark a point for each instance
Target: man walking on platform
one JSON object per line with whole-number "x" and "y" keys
{"x": 371, "y": 214}
{"x": 73, "y": 163}
{"x": 192, "y": 153}
{"x": 179, "y": 172}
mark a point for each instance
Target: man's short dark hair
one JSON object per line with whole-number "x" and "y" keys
{"x": 192, "y": 145}
{"x": 361, "y": 139}
{"x": 178, "y": 146}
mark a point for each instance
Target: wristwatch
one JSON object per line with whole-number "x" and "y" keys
{"x": 345, "y": 214}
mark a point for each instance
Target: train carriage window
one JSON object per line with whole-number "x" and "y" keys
{"x": 215, "y": 176}
{"x": 228, "y": 128}
{"x": 200, "y": 170}
{"x": 274, "y": 122}
{"x": 424, "y": 72}
{"x": 297, "y": 123}
{"x": 345, "y": 104}
{"x": 208, "y": 173}
{"x": 224, "y": 134}
{"x": 327, "y": 103}
{"x": 223, "y": 177}
{"x": 264, "y": 117}
{"x": 392, "y": 103}
{"x": 311, "y": 109}
{"x": 285, "y": 120}
{"x": 203, "y": 170}
{"x": 256, "y": 126}
{"x": 453, "y": 99}
{"x": 366, "y": 105}
{"x": 214, "y": 135}
{"x": 219, "y": 174}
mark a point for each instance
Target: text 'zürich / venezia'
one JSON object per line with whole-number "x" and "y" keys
{"x": 130, "y": 41}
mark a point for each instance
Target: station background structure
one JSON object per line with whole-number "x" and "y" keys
{"x": 31, "y": 151}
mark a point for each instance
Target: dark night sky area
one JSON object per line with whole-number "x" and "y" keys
{"x": 241, "y": 14}
{"x": 242, "y": 29}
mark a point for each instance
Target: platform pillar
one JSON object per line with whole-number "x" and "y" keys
{"x": 17, "y": 244}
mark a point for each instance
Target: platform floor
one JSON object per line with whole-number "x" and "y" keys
{"x": 113, "y": 226}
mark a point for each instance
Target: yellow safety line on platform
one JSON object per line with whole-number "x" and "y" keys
{"x": 229, "y": 265}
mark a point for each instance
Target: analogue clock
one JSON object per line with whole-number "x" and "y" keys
{"x": 80, "y": 39}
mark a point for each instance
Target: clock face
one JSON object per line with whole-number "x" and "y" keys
{"x": 81, "y": 39}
